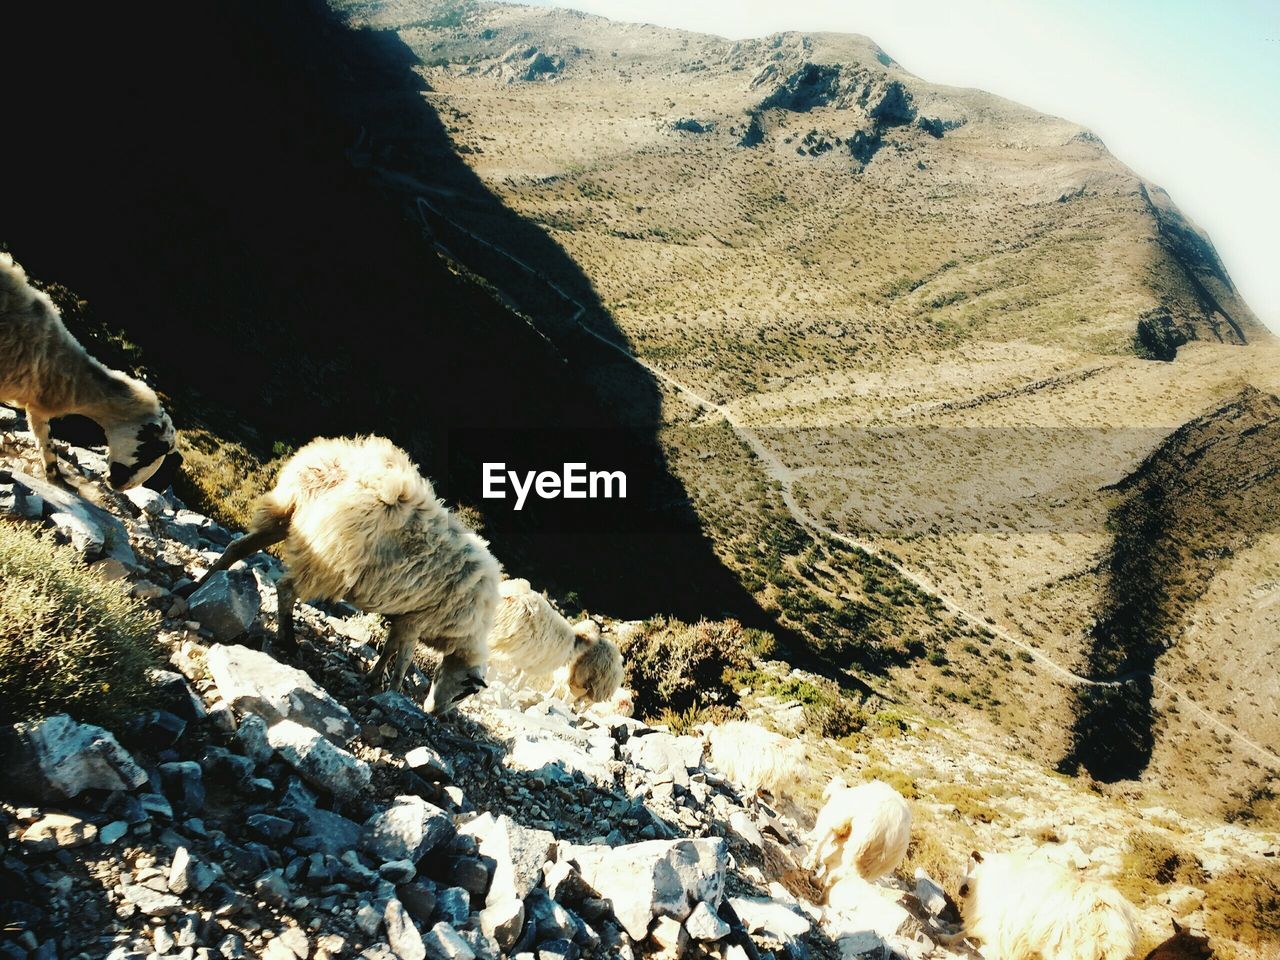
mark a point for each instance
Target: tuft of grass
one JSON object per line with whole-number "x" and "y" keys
{"x": 675, "y": 665}
{"x": 1151, "y": 861}
{"x": 69, "y": 641}
{"x": 1243, "y": 903}
{"x": 221, "y": 478}
{"x": 682, "y": 722}
{"x": 928, "y": 853}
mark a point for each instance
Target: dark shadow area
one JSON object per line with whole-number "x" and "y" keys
{"x": 235, "y": 187}
{"x": 1209, "y": 490}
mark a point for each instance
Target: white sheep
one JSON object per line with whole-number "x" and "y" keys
{"x": 1020, "y": 908}
{"x": 359, "y": 522}
{"x": 530, "y": 639}
{"x": 757, "y": 759}
{"x": 861, "y": 832}
{"x": 595, "y": 674}
{"x": 46, "y": 371}
{"x": 621, "y": 704}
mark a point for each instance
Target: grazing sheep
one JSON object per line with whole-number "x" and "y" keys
{"x": 45, "y": 370}
{"x": 359, "y": 522}
{"x": 530, "y": 638}
{"x": 861, "y": 832}
{"x": 1183, "y": 945}
{"x": 758, "y": 759}
{"x": 1021, "y": 909}
{"x": 595, "y": 673}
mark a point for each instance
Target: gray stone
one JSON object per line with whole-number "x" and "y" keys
{"x": 151, "y": 902}
{"x": 663, "y": 753}
{"x": 320, "y": 762}
{"x": 326, "y": 832}
{"x": 454, "y": 905}
{"x": 406, "y": 830}
{"x": 401, "y": 711}
{"x": 864, "y": 945}
{"x": 85, "y": 536}
{"x": 184, "y": 784}
{"x": 296, "y": 941}
{"x": 442, "y": 942}
{"x": 419, "y": 898}
{"x": 398, "y": 871}
{"x": 428, "y": 764}
{"x": 57, "y": 758}
{"x": 176, "y": 695}
{"x": 112, "y": 832}
{"x": 147, "y": 501}
{"x": 672, "y": 938}
{"x": 654, "y": 878}
{"x": 252, "y": 736}
{"x": 502, "y": 922}
{"x": 226, "y": 605}
{"x": 254, "y": 682}
{"x": 930, "y": 894}
{"x": 779, "y": 920}
{"x": 560, "y": 949}
{"x": 518, "y": 854}
{"x": 55, "y": 831}
{"x": 368, "y": 919}
{"x": 189, "y": 874}
{"x": 100, "y": 526}
{"x": 272, "y": 888}
{"x": 705, "y": 924}
{"x": 267, "y": 827}
{"x": 402, "y": 935}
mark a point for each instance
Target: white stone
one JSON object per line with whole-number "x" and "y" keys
{"x": 705, "y": 924}
{"x": 254, "y": 682}
{"x": 320, "y": 762}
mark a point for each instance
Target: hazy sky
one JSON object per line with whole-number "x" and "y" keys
{"x": 1184, "y": 92}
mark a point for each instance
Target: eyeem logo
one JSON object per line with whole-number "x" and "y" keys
{"x": 573, "y": 482}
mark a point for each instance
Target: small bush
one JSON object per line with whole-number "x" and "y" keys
{"x": 1151, "y": 861}
{"x": 222, "y": 479}
{"x": 1243, "y": 903}
{"x": 69, "y": 642}
{"x": 677, "y": 665}
{"x": 684, "y": 721}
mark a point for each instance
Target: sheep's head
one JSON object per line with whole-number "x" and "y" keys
{"x": 597, "y": 672}
{"x": 455, "y": 681}
{"x": 1184, "y": 945}
{"x": 969, "y": 883}
{"x": 141, "y": 451}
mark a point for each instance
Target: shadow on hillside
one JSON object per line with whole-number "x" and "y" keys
{"x": 235, "y": 186}
{"x": 1208, "y": 491}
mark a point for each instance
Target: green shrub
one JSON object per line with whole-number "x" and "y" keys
{"x": 676, "y": 665}
{"x": 1151, "y": 861}
{"x": 69, "y": 642}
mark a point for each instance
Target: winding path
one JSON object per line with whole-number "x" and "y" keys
{"x": 776, "y": 470}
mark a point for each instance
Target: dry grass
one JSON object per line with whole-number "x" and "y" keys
{"x": 69, "y": 642}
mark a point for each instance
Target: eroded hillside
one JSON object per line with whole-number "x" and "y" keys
{"x": 928, "y": 321}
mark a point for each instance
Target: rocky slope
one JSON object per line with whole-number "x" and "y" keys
{"x": 273, "y": 807}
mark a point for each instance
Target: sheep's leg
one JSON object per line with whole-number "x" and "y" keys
{"x": 285, "y": 595}
{"x": 44, "y": 444}
{"x": 394, "y": 659}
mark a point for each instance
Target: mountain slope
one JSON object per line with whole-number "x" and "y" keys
{"x": 944, "y": 319}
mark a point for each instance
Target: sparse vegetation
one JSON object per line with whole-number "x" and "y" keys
{"x": 677, "y": 666}
{"x": 69, "y": 641}
{"x": 1243, "y": 903}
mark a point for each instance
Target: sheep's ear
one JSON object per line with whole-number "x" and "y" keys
{"x": 1177, "y": 928}
{"x": 975, "y": 857}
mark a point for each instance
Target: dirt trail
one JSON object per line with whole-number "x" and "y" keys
{"x": 776, "y": 470}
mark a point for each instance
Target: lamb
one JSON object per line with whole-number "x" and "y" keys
{"x": 758, "y": 759}
{"x": 1022, "y": 908}
{"x": 861, "y": 833}
{"x": 359, "y": 522}
{"x": 45, "y": 370}
{"x": 530, "y": 638}
{"x": 595, "y": 673}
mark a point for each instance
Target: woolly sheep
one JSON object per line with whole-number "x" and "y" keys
{"x": 861, "y": 832}
{"x": 530, "y": 637}
{"x": 359, "y": 522}
{"x": 758, "y": 759}
{"x": 1021, "y": 908}
{"x": 595, "y": 673}
{"x": 45, "y": 370}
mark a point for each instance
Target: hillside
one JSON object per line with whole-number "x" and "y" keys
{"x": 908, "y": 338}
